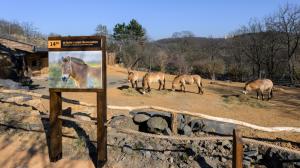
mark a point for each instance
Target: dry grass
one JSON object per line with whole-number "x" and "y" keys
{"x": 245, "y": 100}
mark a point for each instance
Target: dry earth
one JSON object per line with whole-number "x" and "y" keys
{"x": 220, "y": 99}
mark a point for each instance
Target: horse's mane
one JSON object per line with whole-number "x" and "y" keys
{"x": 78, "y": 60}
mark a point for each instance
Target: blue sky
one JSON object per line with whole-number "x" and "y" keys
{"x": 160, "y": 17}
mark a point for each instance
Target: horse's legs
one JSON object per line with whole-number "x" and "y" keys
{"x": 136, "y": 84}
{"x": 159, "y": 82}
{"x": 164, "y": 84}
{"x": 132, "y": 84}
{"x": 257, "y": 95}
{"x": 262, "y": 95}
{"x": 149, "y": 89}
{"x": 183, "y": 87}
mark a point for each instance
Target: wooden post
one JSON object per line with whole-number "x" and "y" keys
{"x": 101, "y": 131}
{"x": 101, "y": 114}
{"x": 238, "y": 152}
{"x": 174, "y": 123}
{"x": 55, "y": 145}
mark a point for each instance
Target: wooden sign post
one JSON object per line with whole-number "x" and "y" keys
{"x": 238, "y": 152}
{"x": 62, "y": 47}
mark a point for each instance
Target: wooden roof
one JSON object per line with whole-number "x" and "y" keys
{"x": 16, "y": 45}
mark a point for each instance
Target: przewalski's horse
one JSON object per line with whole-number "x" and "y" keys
{"x": 260, "y": 86}
{"x": 133, "y": 78}
{"x": 153, "y": 77}
{"x": 78, "y": 70}
{"x": 188, "y": 79}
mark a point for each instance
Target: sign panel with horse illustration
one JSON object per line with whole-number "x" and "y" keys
{"x": 77, "y": 64}
{"x": 75, "y": 69}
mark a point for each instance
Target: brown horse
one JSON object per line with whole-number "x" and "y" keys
{"x": 260, "y": 86}
{"x": 133, "y": 78}
{"x": 78, "y": 70}
{"x": 188, "y": 79}
{"x": 153, "y": 77}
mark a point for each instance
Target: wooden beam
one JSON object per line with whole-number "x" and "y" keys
{"x": 55, "y": 145}
{"x": 238, "y": 152}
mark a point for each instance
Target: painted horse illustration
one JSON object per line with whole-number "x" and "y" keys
{"x": 79, "y": 71}
{"x": 260, "y": 86}
{"x": 153, "y": 77}
{"x": 188, "y": 79}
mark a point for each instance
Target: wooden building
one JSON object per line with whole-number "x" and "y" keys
{"x": 19, "y": 59}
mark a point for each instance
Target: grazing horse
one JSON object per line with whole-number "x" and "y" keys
{"x": 153, "y": 77}
{"x": 188, "y": 79}
{"x": 260, "y": 86}
{"x": 133, "y": 78}
{"x": 78, "y": 70}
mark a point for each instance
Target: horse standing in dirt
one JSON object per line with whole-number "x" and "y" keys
{"x": 260, "y": 86}
{"x": 153, "y": 77}
{"x": 133, "y": 78}
{"x": 188, "y": 79}
{"x": 78, "y": 70}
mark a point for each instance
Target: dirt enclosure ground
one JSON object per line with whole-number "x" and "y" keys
{"x": 221, "y": 99}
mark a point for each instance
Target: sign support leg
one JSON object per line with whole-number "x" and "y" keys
{"x": 55, "y": 145}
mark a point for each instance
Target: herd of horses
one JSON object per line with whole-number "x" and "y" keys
{"x": 79, "y": 71}
{"x": 259, "y": 85}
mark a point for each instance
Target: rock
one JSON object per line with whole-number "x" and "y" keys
{"x": 259, "y": 157}
{"x": 167, "y": 152}
{"x": 246, "y": 164}
{"x": 251, "y": 153}
{"x": 196, "y": 125}
{"x": 146, "y": 154}
{"x": 161, "y": 156}
{"x": 157, "y": 124}
{"x": 171, "y": 159}
{"x": 140, "y": 118}
{"x": 187, "y": 130}
{"x": 168, "y": 131}
{"x": 34, "y": 112}
{"x": 7, "y": 83}
{"x": 223, "y": 159}
{"x": 123, "y": 122}
{"x": 247, "y": 158}
{"x": 226, "y": 144}
{"x": 127, "y": 149}
{"x": 36, "y": 103}
{"x": 18, "y": 99}
{"x": 218, "y": 127}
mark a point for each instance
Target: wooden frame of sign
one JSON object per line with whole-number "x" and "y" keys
{"x": 78, "y": 43}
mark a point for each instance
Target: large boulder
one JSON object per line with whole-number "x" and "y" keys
{"x": 140, "y": 118}
{"x": 157, "y": 124}
{"x": 123, "y": 122}
{"x": 211, "y": 126}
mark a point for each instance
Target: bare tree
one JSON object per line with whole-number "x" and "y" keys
{"x": 287, "y": 22}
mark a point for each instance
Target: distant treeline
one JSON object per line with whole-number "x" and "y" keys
{"x": 267, "y": 48}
